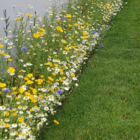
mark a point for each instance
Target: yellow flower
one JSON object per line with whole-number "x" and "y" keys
{"x": 59, "y": 28}
{"x": 9, "y": 59}
{"x": 84, "y": 33}
{"x": 6, "y": 125}
{"x": 20, "y": 18}
{"x": 34, "y": 91}
{"x": 42, "y": 30}
{"x": 21, "y": 90}
{"x": 68, "y": 15}
{"x": 64, "y": 42}
{"x": 14, "y": 114}
{"x": 30, "y": 75}
{"x": 39, "y": 81}
{"x": 72, "y": 75}
{"x": 14, "y": 88}
{"x": 6, "y": 113}
{"x": 34, "y": 100}
{"x": 52, "y": 90}
{"x": 21, "y": 119}
{"x": 31, "y": 110}
{"x": 50, "y": 78}
{"x": 85, "y": 37}
{"x": 76, "y": 24}
{"x": 28, "y": 15}
{"x": 2, "y": 85}
{"x": 36, "y": 35}
{"x": 41, "y": 33}
{"x": 16, "y": 98}
{"x": 1, "y": 46}
{"x": 30, "y": 82}
{"x": 16, "y": 132}
{"x": 56, "y": 122}
{"x": 66, "y": 48}
{"x": 15, "y": 19}
{"x": 11, "y": 71}
{"x": 48, "y": 63}
{"x": 26, "y": 78}
{"x": 56, "y": 65}
{"x": 40, "y": 96}
{"x": 53, "y": 74}
{"x": 42, "y": 76}
{"x": 63, "y": 11}
{"x": 69, "y": 25}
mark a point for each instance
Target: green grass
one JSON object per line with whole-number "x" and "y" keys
{"x": 106, "y": 104}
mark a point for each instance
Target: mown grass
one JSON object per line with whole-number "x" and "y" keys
{"x": 105, "y": 105}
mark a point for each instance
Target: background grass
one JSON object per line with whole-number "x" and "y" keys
{"x": 106, "y": 104}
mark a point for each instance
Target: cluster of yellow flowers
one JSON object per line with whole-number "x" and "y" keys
{"x": 48, "y": 59}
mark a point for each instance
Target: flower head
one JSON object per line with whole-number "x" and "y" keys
{"x": 11, "y": 108}
{"x": 2, "y": 85}
{"x": 56, "y": 122}
{"x": 11, "y": 71}
{"x": 94, "y": 32}
{"x": 28, "y": 15}
{"x": 1, "y": 46}
{"x": 101, "y": 45}
{"x": 6, "y": 90}
{"x": 36, "y": 35}
{"x": 68, "y": 15}
{"x": 24, "y": 48}
{"x": 59, "y": 91}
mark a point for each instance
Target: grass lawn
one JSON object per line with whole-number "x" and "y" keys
{"x": 106, "y": 104}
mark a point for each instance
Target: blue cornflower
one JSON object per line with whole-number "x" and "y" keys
{"x": 6, "y": 90}
{"x": 24, "y": 48}
{"x": 101, "y": 45}
{"x": 94, "y": 32}
{"x": 99, "y": 33}
{"x": 59, "y": 91}
{"x": 11, "y": 108}
{"x": 98, "y": 28}
{"x": 120, "y": 4}
{"x": 56, "y": 50}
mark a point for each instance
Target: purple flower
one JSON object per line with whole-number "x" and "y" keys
{"x": 99, "y": 33}
{"x": 11, "y": 108}
{"x": 56, "y": 50}
{"x": 101, "y": 45}
{"x": 24, "y": 48}
{"x": 120, "y": 4}
{"x": 94, "y": 32}
{"x": 6, "y": 90}
{"x": 59, "y": 91}
{"x": 98, "y": 28}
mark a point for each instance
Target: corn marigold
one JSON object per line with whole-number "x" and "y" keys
{"x": 11, "y": 71}
{"x": 2, "y": 85}
{"x": 56, "y": 122}
{"x": 28, "y": 15}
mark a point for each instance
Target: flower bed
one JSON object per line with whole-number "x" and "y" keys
{"x": 43, "y": 57}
